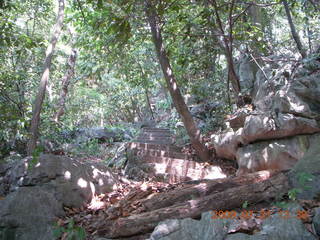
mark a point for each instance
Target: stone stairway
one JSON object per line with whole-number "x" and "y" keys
{"x": 154, "y": 155}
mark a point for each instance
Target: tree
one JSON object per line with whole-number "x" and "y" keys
{"x": 65, "y": 84}
{"x": 182, "y": 109}
{"x": 35, "y": 121}
{"x": 294, "y": 33}
{"x": 226, "y": 45}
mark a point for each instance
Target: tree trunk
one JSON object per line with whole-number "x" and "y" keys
{"x": 226, "y": 44}
{"x": 229, "y": 199}
{"x": 148, "y": 102}
{"x": 65, "y": 84}
{"x": 35, "y": 121}
{"x": 293, "y": 30}
{"x": 182, "y": 109}
{"x": 188, "y": 191}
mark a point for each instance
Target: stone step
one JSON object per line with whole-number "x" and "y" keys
{"x": 161, "y": 139}
{"x": 163, "y": 153}
{"x": 176, "y": 170}
{"x": 154, "y": 141}
{"x": 169, "y": 161}
{"x": 156, "y": 130}
{"x": 149, "y": 146}
{"x": 155, "y": 134}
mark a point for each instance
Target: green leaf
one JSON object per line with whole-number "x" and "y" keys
{"x": 245, "y": 204}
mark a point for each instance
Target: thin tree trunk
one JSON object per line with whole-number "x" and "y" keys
{"x": 148, "y": 102}
{"x": 65, "y": 85}
{"x": 135, "y": 108}
{"x": 35, "y": 121}
{"x": 143, "y": 76}
{"x": 182, "y": 109}
{"x": 293, "y": 30}
{"x": 226, "y": 45}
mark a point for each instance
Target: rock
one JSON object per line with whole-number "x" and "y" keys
{"x": 274, "y": 227}
{"x": 120, "y": 156}
{"x": 146, "y": 124}
{"x": 204, "y": 110}
{"x": 72, "y": 182}
{"x": 258, "y": 127}
{"x": 274, "y": 126}
{"x": 280, "y": 154}
{"x": 29, "y": 213}
{"x": 14, "y": 145}
{"x": 99, "y": 133}
{"x": 237, "y": 120}
{"x": 300, "y": 97}
{"x": 39, "y": 189}
{"x": 316, "y": 220}
{"x": 227, "y": 143}
{"x": 306, "y": 173}
{"x": 246, "y": 71}
{"x": 190, "y": 229}
{"x": 265, "y": 89}
{"x": 5, "y": 166}
{"x": 190, "y": 99}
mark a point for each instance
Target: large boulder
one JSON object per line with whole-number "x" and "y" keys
{"x": 268, "y": 82}
{"x": 286, "y": 104}
{"x": 29, "y": 213}
{"x": 275, "y": 126}
{"x": 190, "y": 229}
{"x": 274, "y": 227}
{"x": 73, "y": 183}
{"x": 278, "y": 227}
{"x": 259, "y": 127}
{"x": 280, "y": 154}
{"x": 119, "y": 158}
{"x": 305, "y": 175}
{"x": 316, "y": 220}
{"x": 300, "y": 97}
{"x": 246, "y": 69}
{"x": 204, "y": 110}
{"x": 227, "y": 143}
{"x": 238, "y": 118}
{"x": 98, "y": 133}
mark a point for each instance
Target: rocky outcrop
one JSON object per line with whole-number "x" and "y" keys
{"x": 29, "y": 213}
{"x": 227, "y": 143}
{"x": 246, "y": 69}
{"x": 300, "y": 97}
{"x": 73, "y": 183}
{"x": 305, "y": 175}
{"x": 99, "y": 133}
{"x": 316, "y": 221}
{"x": 204, "y": 110}
{"x": 272, "y": 155}
{"x": 266, "y": 126}
{"x": 287, "y": 105}
{"x": 274, "y": 227}
{"x": 120, "y": 155}
{"x": 36, "y": 189}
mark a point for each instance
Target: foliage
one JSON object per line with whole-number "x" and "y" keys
{"x": 302, "y": 178}
{"x": 35, "y": 156}
{"x": 70, "y": 232}
{"x": 245, "y": 204}
{"x": 117, "y": 66}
